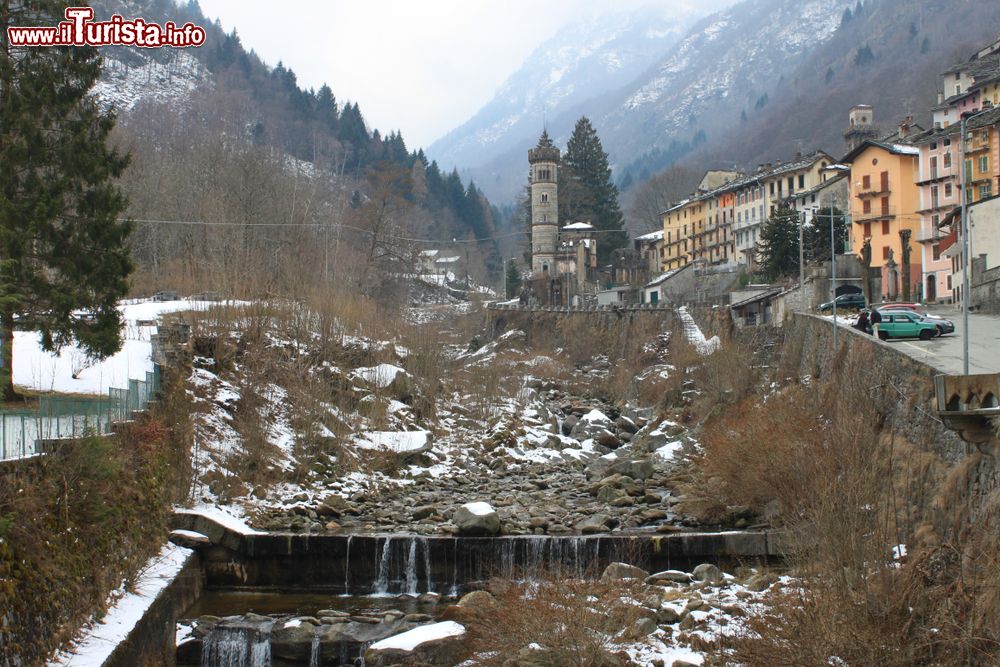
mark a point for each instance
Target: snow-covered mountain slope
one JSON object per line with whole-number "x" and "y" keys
{"x": 675, "y": 85}
{"x": 126, "y": 83}
{"x": 588, "y": 58}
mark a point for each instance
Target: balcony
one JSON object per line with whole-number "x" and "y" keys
{"x": 875, "y": 215}
{"x": 871, "y": 192}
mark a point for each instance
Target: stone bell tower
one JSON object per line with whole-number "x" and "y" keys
{"x": 544, "y": 161}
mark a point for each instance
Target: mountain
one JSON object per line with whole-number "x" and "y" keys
{"x": 753, "y": 83}
{"x": 585, "y": 59}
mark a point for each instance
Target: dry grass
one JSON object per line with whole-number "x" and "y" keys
{"x": 576, "y": 621}
{"x": 849, "y": 487}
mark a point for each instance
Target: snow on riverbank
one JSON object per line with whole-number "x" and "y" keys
{"x": 98, "y": 641}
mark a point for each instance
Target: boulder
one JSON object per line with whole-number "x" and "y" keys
{"x": 669, "y": 577}
{"x": 292, "y": 640}
{"x": 478, "y": 600}
{"x": 761, "y": 582}
{"x": 437, "y": 645}
{"x": 597, "y": 523}
{"x": 636, "y": 469}
{"x": 707, "y": 572}
{"x": 476, "y": 519}
{"x": 619, "y": 571}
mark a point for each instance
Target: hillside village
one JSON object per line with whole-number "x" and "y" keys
{"x": 898, "y": 191}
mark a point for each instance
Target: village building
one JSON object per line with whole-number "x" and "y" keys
{"x": 563, "y": 260}
{"x": 885, "y": 222}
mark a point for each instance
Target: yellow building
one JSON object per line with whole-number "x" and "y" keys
{"x": 982, "y": 154}
{"x": 884, "y": 201}
{"x": 679, "y": 232}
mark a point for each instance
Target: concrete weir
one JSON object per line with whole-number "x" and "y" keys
{"x": 366, "y": 564}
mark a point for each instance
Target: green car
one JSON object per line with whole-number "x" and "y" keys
{"x": 906, "y": 325}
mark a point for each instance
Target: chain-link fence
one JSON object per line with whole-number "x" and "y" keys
{"x": 24, "y": 432}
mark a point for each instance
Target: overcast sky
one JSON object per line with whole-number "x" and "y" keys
{"x": 422, "y": 67}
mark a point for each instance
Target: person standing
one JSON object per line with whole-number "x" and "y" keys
{"x": 862, "y": 324}
{"x": 875, "y": 319}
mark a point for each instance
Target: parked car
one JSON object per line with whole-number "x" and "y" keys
{"x": 898, "y": 305}
{"x": 944, "y": 325}
{"x": 845, "y": 302}
{"x": 905, "y": 324}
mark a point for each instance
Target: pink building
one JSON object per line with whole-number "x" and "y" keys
{"x": 939, "y": 184}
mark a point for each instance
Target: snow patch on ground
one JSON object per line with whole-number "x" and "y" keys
{"x": 397, "y": 441}
{"x": 694, "y": 335}
{"x": 380, "y": 376}
{"x": 411, "y": 639}
{"x": 38, "y": 370}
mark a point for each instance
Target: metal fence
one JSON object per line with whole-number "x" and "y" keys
{"x": 24, "y": 432}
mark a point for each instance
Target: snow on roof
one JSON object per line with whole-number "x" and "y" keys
{"x": 579, "y": 225}
{"x": 652, "y": 236}
{"x": 429, "y": 253}
{"x": 447, "y": 260}
{"x": 906, "y": 150}
{"x": 411, "y": 639}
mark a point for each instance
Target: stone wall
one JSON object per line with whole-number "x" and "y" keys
{"x": 151, "y": 643}
{"x": 583, "y": 332}
{"x": 970, "y": 469}
{"x": 985, "y": 287}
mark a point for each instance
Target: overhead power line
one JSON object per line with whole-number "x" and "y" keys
{"x": 340, "y": 225}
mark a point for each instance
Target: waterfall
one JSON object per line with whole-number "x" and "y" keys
{"x": 315, "y": 657}
{"x": 237, "y": 645}
{"x": 454, "y": 572}
{"x": 427, "y": 564}
{"x": 347, "y": 567}
{"x": 411, "y": 568}
{"x": 382, "y": 581}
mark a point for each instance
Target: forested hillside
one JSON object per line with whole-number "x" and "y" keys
{"x": 221, "y": 142}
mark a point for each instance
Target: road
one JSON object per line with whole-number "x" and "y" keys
{"x": 945, "y": 352}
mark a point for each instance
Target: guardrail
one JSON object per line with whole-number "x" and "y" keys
{"x": 635, "y": 307}
{"x": 32, "y": 431}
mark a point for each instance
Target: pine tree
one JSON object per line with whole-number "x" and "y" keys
{"x": 513, "y": 279}
{"x": 63, "y": 244}
{"x": 816, "y": 237}
{"x": 586, "y": 191}
{"x": 778, "y": 248}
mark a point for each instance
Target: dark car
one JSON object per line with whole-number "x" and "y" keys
{"x": 845, "y": 302}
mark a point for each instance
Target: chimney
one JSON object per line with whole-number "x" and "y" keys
{"x": 767, "y": 166}
{"x": 940, "y": 97}
{"x": 904, "y": 126}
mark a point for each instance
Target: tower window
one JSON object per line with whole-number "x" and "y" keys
{"x": 545, "y": 197}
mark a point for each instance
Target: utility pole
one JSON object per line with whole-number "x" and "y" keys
{"x": 965, "y": 262}
{"x": 802, "y": 265}
{"x": 966, "y": 259}
{"x": 833, "y": 275}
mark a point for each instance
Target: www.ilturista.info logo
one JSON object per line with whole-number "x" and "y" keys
{"x": 79, "y": 29}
